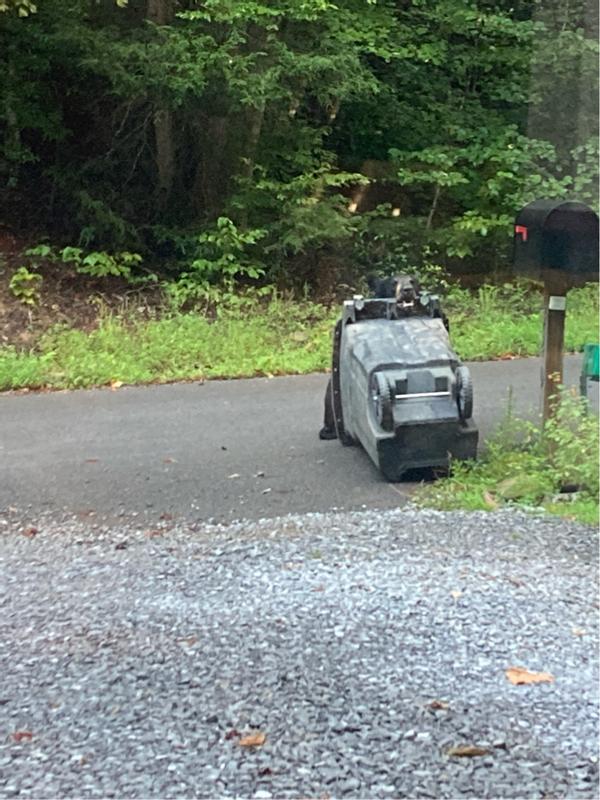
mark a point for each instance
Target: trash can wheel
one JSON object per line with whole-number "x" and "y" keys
{"x": 464, "y": 393}
{"x": 383, "y": 396}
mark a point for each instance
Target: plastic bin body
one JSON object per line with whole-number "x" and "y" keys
{"x": 414, "y": 358}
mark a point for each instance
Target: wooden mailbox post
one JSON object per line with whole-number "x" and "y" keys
{"x": 556, "y": 242}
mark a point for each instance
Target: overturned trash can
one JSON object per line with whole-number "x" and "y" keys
{"x": 398, "y": 388}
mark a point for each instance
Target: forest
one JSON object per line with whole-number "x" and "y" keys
{"x": 297, "y": 142}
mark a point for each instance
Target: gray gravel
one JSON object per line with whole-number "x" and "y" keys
{"x": 133, "y": 661}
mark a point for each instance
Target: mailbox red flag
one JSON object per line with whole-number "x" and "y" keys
{"x": 521, "y": 229}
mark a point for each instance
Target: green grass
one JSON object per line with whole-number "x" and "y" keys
{"x": 508, "y": 320}
{"x": 529, "y": 467}
{"x": 281, "y": 337}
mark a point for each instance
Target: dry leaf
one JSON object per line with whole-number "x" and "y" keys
{"x": 169, "y": 460}
{"x": 19, "y": 736}
{"x": 489, "y": 500}
{"x": 116, "y": 385}
{"x": 30, "y": 532}
{"x": 231, "y": 734}
{"x": 456, "y": 594}
{"x": 520, "y": 675}
{"x": 467, "y": 750}
{"x": 578, "y": 632}
{"x": 254, "y": 739}
{"x": 188, "y": 640}
{"x": 438, "y": 705}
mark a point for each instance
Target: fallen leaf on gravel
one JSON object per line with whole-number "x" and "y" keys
{"x": 254, "y": 739}
{"x": 170, "y": 460}
{"x": 520, "y": 675}
{"x": 19, "y": 736}
{"x": 30, "y": 532}
{"x": 578, "y": 632}
{"x": 165, "y": 515}
{"x": 438, "y": 705}
{"x": 189, "y": 640}
{"x": 490, "y": 501}
{"x": 456, "y": 594}
{"x": 231, "y": 734}
{"x": 152, "y": 534}
{"x": 467, "y": 751}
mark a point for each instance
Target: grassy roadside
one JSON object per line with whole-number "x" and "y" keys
{"x": 555, "y": 469}
{"x": 274, "y": 338}
{"x": 282, "y": 338}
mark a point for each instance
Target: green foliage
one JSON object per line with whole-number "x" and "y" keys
{"x": 26, "y": 285}
{"x": 101, "y": 264}
{"x": 97, "y": 264}
{"x": 118, "y": 125}
{"x": 541, "y": 465}
{"x": 23, "y": 7}
{"x": 221, "y": 261}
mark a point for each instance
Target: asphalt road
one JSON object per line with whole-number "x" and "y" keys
{"x": 221, "y": 450}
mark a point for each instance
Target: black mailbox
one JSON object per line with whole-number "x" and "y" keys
{"x": 557, "y": 237}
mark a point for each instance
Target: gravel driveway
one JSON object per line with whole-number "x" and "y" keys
{"x": 364, "y": 646}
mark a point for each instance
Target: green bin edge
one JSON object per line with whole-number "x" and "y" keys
{"x": 591, "y": 361}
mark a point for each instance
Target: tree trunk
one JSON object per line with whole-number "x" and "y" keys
{"x": 255, "y": 118}
{"x": 160, "y": 12}
{"x": 433, "y": 208}
{"x": 213, "y": 166}
{"x": 13, "y": 131}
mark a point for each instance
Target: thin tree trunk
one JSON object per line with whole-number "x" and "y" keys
{"x": 432, "y": 210}
{"x": 13, "y": 131}
{"x": 255, "y": 118}
{"x": 160, "y": 12}
{"x": 165, "y": 152}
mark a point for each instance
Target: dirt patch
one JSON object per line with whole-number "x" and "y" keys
{"x": 67, "y": 298}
